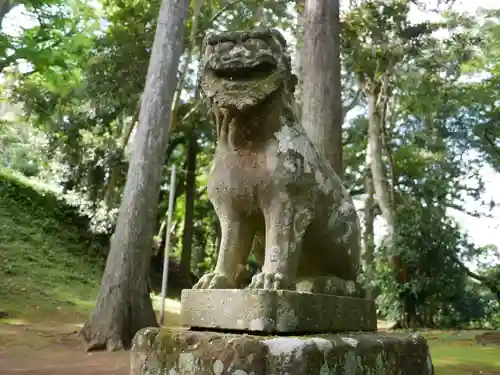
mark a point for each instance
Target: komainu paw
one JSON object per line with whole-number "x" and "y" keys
{"x": 269, "y": 281}
{"x": 213, "y": 280}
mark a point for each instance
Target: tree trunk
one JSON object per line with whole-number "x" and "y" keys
{"x": 377, "y": 103}
{"x": 123, "y": 305}
{"x": 192, "y": 45}
{"x": 320, "y": 75}
{"x": 297, "y": 62}
{"x": 377, "y": 97}
{"x": 375, "y": 150}
{"x": 187, "y": 235}
{"x": 382, "y": 189}
{"x": 299, "y": 40}
{"x": 369, "y": 238}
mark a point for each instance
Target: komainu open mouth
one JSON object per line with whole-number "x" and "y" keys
{"x": 259, "y": 71}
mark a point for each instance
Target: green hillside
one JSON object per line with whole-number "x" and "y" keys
{"x": 50, "y": 264}
{"x": 45, "y": 266}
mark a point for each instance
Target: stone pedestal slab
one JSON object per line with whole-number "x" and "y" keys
{"x": 281, "y": 311}
{"x": 158, "y": 351}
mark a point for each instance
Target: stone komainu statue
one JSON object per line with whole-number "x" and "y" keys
{"x": 273, "y": 193}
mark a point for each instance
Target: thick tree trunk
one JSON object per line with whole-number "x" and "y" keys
{"x": 187, "y": 235}
{"x": 123, "y": 305}
{"x": 321, "y": 108}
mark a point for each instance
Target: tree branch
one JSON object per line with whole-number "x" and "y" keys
{"x": 353, "y": 103}
{"x": 490, "y": 284}
{"x": 491, "y": 142}
{"x": 461, "y": 209}
{"x": 192, "y": 110}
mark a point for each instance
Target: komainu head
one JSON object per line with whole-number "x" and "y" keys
{"x": 241, "y": 69}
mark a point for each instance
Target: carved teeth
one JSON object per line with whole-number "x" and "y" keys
{"x": 261, "y": 70}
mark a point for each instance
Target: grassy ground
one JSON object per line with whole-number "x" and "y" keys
{"x": 458, "y": 353}
{"x": 49, "y": 283}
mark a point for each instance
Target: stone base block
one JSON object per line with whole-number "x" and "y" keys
{"x": 158, "y": 351}
{"x": 281, "y": 311}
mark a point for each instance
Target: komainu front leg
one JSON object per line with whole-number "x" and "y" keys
{"x": 236, "y": 240}
{"x": 286, "y": 225}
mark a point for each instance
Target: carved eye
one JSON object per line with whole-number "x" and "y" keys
{"x": 255, "y": 44}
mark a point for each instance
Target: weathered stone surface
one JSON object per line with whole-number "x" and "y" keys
{"x": 278, "y": 311}
{"x": 274, "y": 194}
{"x": 158, "y": 351}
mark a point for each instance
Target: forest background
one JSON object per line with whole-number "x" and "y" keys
{"x": 73, "y": 73}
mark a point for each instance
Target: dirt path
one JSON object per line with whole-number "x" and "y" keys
{"x": 66, "y": 362}
{"x": 42, "y": 350}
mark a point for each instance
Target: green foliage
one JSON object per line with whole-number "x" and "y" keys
{"x": 49, "y": 45}
{"x": 377, "y": 35}
{"x": 486, "y": 91}
{"x": 423, "y": 241}
{"x": 432, "y": 117}
{"x": 21, "y": 149}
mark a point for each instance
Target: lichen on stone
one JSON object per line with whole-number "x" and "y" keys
{"x": 230, "y": 354}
